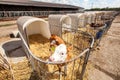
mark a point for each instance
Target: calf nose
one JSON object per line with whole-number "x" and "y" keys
{"x": 51, "y": 59}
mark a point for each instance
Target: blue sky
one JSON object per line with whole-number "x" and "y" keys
{"x": 87, "y": 3}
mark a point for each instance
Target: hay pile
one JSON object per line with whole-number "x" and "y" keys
{"x": 40, "y": 47}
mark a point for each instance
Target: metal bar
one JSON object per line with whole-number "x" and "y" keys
{"x": 79, "y": 64}
{"x": 60, "y": 73}
{"x": 65, "y": 71}
{"x": 84, "y": 64}
{"x": 73, "y": 69}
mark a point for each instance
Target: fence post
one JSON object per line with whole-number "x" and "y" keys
{"x": 85, "y": 64}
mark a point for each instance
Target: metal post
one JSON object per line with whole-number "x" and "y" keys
{"x": 65, "y": 71}
{"x": 60, "y": 73}
{"x": 84, "y": 64}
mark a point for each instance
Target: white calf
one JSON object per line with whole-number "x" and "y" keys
{"x": 60, "y": 54}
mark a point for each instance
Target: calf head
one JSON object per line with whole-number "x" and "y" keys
{"x": 60, "y": 54}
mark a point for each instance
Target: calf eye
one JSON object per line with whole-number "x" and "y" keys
{"x": 62, "y": 53}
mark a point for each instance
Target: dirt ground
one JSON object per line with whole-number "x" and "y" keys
{"x": 105, "y": 59}
{"x": 6, "y": 27}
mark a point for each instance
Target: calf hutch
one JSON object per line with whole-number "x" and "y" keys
{"x": 78, "y": 20}
{"x": 59, "y": 22}
{"x": 35, "y": 34}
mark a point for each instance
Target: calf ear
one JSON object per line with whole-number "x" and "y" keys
{"x": 69, "y": 48}
{"x": 52, "y": 36}
{"x": 68, "y": 57}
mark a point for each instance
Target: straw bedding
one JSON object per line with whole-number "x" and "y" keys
{"x": 5, "y": 74}
{"x": 39, "y": 45}
{"x": 40, "y": 48}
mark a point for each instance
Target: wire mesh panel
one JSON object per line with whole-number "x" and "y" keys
{"x": 74, "y": 20}
{"x": 82, "y": 20}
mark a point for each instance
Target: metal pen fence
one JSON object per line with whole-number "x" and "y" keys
{"x": 102, "y": 23}
{"x": 73, "y": 68}
{"x": 16, "y": 14}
